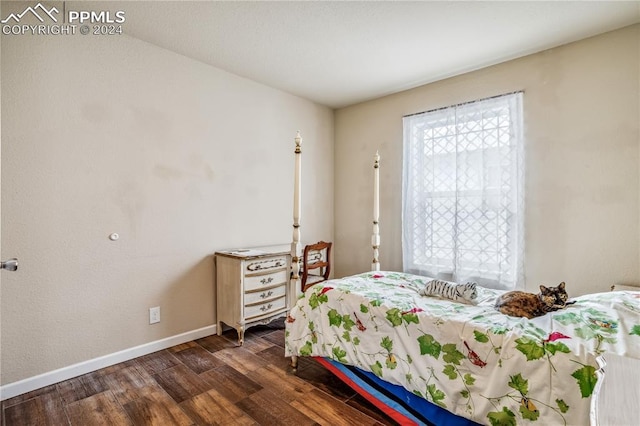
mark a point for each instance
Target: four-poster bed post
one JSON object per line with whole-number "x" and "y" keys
{"x": 295, "y": 243}
{"x": 375, "y": 238}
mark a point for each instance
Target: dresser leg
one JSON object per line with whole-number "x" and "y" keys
{"x": 294, "y": 362}
{"x": 240, "y": 336}
{"x": 219, "y": 329}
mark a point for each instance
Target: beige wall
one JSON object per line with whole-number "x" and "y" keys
{"x": 581, "y": 109}
{"x": 112, "y": 134}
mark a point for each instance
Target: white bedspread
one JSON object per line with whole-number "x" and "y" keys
{"x": 470, "y": 360}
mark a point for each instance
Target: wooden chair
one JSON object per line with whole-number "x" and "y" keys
{"x": 315, "y": 256}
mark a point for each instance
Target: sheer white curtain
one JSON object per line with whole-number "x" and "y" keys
{"x": 463, "y": 203}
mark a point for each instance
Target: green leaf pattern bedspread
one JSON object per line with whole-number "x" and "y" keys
{"x": 470, "y": 360}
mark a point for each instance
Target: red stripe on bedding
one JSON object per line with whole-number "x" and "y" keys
{"x": 395, "y": 415}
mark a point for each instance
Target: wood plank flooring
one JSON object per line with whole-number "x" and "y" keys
{"x": 210, "y": 381}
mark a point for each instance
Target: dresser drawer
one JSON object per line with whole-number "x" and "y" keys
{"x": 265, "y": 265}
{"x": 268, "y": 293}
{"x": 267, "y": 280}
{"x": 264, "y": 308}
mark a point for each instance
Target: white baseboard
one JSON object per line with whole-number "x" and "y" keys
{"x": 36, "y": 382}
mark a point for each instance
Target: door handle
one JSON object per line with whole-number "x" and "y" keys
{"x": 10, "y": 265}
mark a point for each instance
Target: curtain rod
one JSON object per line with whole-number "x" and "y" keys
{"x": 464, "y": 103}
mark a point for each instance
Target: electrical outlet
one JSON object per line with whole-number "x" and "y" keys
{"x": 154, "y": 315}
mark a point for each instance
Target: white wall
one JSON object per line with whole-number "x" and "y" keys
{"x": 111, "y": 134}
{"x": 581, "y": 109}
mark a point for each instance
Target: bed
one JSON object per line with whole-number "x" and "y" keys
{"x": 469, "y": 361}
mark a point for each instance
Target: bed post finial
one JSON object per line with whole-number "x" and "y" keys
{"x": 298, "y": 140}
{"x": 375, "y": 238}
{"x": 295, "y": 244}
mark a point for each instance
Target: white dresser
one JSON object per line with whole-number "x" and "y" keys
{"x": 616, "y": 397}
{"x": 252, "y": 286}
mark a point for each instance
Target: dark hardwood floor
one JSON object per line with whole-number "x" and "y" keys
{"x": 210, "y": 381}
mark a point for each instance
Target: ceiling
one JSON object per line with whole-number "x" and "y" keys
{"x": 341, "y": 53}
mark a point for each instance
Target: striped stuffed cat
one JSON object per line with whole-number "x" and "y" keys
{"x": 463, "y": 293}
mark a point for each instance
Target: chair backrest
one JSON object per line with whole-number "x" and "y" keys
{"x": 316, "y": 256}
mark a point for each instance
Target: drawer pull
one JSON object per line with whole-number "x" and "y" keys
{"x": 266, "y": 280}
{"x": 266, "y": 264}
{"x": 266, "y": 308}
{"x": 265, "y": 295}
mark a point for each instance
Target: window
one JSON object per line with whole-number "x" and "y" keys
{"x": 463, "y": 193}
